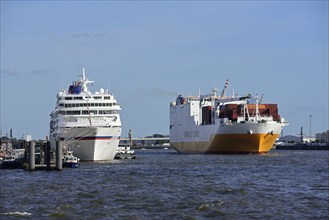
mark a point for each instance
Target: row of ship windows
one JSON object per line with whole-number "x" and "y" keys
{"x": 86, "y": 105}
{"x": 94, "y": 112}
{"x": 87, "y": 97}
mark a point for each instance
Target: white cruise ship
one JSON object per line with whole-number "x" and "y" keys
{"x": 89, "y": 123}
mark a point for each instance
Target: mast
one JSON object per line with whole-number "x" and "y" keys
{"x": 257, "y": 109}
{"x": 83, "y": 77}
{"x": 84, "y": 81}
{"x": 224, "y": 90}
{"x": 310, "y": 115}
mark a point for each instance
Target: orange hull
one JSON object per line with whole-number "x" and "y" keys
{"x": 229, "y": 143}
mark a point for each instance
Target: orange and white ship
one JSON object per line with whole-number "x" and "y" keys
{"x": 221, "y": 124}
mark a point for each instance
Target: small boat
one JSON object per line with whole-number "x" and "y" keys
{"x": 69, "y": 160}
{"x": 125, "y": 153}
{"x": 10, "y": 162}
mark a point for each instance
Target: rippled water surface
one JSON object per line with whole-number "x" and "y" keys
{"x": 163, "y": 184}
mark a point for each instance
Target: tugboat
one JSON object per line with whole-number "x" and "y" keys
{"x": 9, "y": 162}
{"x": 12, "y": 159}
{"x": 69, "y": 160}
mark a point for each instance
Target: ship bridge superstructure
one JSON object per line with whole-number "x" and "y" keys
{"x": 207, "y": 109}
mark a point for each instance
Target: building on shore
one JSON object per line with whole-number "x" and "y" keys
{"x": 322, "y": 137}
{"x": 6, "y": 145}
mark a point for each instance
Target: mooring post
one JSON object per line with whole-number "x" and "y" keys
{"x": 48, "y": 155}
{"x": 59, "y": 152}
{"x": 130, "y": 140}
{"x": 32, "y": 155}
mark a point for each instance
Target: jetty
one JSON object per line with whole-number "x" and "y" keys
{"x": 146, "y": 142}
{"x": 27, "y": 157}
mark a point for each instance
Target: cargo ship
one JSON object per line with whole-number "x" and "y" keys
{"x": 223, "y": 124}
{"x": 88, "y": 122}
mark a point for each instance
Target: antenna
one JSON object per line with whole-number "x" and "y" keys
{"x": 310, "y": 115}
{"x": 83, "y": 74}
{"x": 214, "y": 91}
{"x": 261, "y": 98}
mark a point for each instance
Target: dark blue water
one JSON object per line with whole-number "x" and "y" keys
{"x": 163, "y": 184}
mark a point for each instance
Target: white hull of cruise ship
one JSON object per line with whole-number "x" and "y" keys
{"x": 92, "y": 143}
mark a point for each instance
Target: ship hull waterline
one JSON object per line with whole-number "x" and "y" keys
{"x": 238, "y": 138}
{"x": 229, "y": 144}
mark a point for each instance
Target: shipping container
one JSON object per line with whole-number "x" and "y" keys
{"x": 207, "y": 115}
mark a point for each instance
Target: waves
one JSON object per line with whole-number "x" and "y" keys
{"x": 166, "y": 185}
{"x": 16, "y": 214}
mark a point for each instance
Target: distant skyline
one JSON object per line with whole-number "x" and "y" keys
{"x": 148, "y": 52}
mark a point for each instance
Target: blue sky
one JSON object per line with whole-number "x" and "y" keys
{"x": 148, "y": 52}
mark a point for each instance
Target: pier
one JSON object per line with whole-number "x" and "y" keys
{"x": 46, "y": 165}
{"x": 146, "y": 142}
{"x": 32, "y": 157}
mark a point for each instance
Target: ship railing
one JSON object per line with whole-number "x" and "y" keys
{"x": 85, "y": 124}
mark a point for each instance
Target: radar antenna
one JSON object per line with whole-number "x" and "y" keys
{"x": 85, "y": 81}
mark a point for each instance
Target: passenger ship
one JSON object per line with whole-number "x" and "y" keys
{"x": 220, "y": 124}
{"x": 89, "y": 123}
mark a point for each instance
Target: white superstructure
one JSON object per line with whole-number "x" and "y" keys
{"x": 89, "y": 123}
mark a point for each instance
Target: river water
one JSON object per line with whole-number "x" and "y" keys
{"x": 163, "y": 184}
